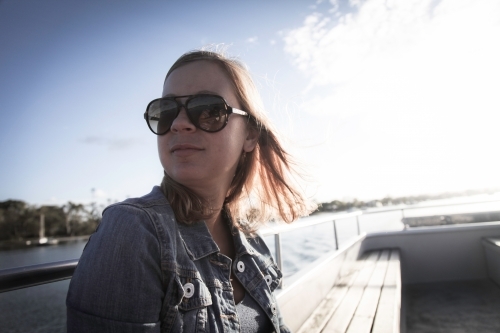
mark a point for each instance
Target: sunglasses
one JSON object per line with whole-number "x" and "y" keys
{"x": 210, "y": 113}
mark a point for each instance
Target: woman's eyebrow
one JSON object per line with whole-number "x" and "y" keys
{"x": 207, "y": 92}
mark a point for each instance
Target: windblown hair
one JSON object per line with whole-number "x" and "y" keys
{"x": 264, "y": 187}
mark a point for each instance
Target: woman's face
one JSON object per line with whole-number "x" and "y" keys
{"x": 200, "y": 160}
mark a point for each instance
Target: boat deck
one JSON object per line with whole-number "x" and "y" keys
{"x": 455, "y": 307}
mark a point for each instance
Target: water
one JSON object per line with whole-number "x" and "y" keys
{"x": 42, "y": 308}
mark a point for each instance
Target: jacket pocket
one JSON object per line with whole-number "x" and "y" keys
{"x": 193, "y": 307}
{"x": 195, "y": 321}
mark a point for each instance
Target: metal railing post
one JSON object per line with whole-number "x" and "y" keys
{"x": 335, "y": 235}
{"x": 279, "y": 258}
{"x": 402, "y": 213}
{"x": 357, "y": 224}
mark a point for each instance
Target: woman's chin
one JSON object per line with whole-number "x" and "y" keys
{"x": 188, "y": 179}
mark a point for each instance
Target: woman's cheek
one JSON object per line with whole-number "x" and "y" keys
{"x": 163, "y": 151}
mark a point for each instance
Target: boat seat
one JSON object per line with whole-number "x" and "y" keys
{"x": 367, "y": 299}
{"x": 491, "y": 247}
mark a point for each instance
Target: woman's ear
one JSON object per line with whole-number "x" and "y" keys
{"x": 251, "y": 140}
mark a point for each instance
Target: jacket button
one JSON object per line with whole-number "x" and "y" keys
{"x": 273, "y": 308}
{"x": 268, "y": 279}
{"x": 240, "y": 266}
{"x": 188, "y": 290}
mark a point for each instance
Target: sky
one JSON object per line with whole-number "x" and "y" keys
{"x": 374, "y": 97}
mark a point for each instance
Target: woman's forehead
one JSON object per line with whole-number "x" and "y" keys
{"x": 198, "y": 77}
{"x": 198, "y": 72}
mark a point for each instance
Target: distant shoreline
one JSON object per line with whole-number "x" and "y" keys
{"x": 445, "y": 219}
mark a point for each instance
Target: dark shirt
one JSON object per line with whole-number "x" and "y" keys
{"x": 253, "y": 319}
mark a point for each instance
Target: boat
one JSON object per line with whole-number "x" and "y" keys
{"x": 438, "y": 278}
{"x": 42, "y": 240}
{"x": 47, "y": 241}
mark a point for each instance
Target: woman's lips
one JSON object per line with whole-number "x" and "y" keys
{"x": 184, "y": 149}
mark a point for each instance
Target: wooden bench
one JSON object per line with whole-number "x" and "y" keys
{"x": 491, "y": 247}
{"x": 367, "y": 299}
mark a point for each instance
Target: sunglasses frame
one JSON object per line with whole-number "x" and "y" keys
{"x": 180, "y": 105}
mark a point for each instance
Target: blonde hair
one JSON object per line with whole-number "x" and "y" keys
{"x": 263, "y": 187}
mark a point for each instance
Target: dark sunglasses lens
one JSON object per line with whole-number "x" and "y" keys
{"x": 208, "y": 113}
{"x": 161, "y": 115}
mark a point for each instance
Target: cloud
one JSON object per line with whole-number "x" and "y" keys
{"x": 252, "y": 40}
{"x": 111, "y": 143}
{"x": 98, "y": 193}
{"x": 417, "y": 81}
{"x": 401, "y": 54}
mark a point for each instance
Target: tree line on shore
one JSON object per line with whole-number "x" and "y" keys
{"x": 19, "y": 220}
{"x": 339, "y": 206}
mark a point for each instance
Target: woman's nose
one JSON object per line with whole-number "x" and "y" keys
{"x": 182, "y": 122}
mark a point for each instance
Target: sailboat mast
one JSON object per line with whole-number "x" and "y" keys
{"x": 42, "y": 226}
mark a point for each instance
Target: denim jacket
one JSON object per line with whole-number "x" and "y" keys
{"x": 141, "y": 271}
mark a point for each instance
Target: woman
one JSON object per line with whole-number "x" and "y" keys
{"x": 185, "y": 257}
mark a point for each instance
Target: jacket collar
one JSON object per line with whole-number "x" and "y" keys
{"x": 197, "y": 239}
{"x": 199, "y": 242}
{"x": 241, "y": 244}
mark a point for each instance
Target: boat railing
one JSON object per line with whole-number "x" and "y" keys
{"x": 28, "y": 276}
{"x": 277, "y": 231}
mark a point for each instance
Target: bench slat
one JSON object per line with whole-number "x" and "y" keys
{"x": 317, "y": 321}
{"x": 341, "y": 318}
{"x": 363, "y": 317}
{"x": 388, "y": 311}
